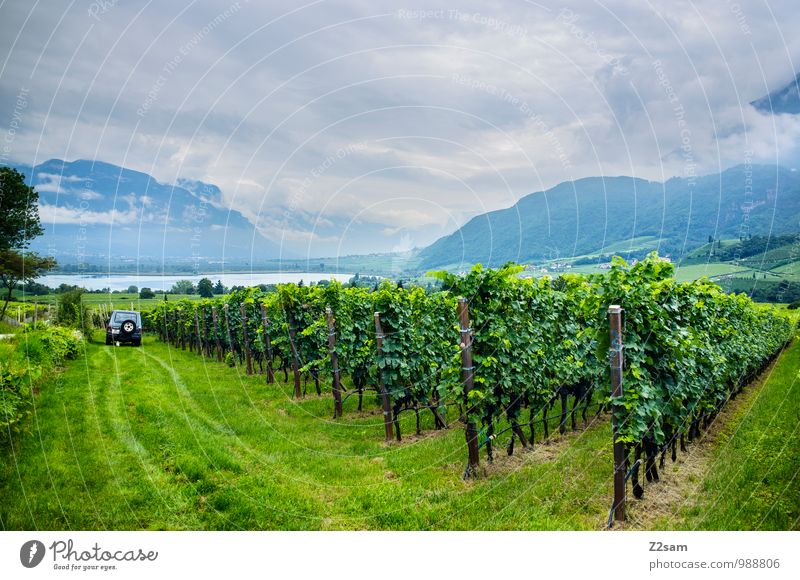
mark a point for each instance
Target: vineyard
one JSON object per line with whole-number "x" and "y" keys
{"x": 496, "y": 353}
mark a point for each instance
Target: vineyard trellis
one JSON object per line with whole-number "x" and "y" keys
{"x": 491, "y": 345}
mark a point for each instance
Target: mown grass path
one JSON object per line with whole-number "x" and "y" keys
{"x": 158, "y": 438}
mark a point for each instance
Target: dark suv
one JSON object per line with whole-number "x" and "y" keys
{"x": 124, "y": 326}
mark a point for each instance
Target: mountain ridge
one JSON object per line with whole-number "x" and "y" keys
{"x": 582, "y": 216}
{"x": 783, "y": 100}
{"x": 94, "y": 210}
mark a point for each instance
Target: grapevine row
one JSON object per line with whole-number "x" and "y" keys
{"x": 689, "y": 347}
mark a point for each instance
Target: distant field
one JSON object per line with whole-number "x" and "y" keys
{"x": 790, "y": 271}
{"x": 632, "y": 245}
{"x": 122, "y": 301}
{"x": 687, "y": 273}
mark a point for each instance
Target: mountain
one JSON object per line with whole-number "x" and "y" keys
{"x": 96, "y": 212}
{"x": 599, "y": 214}
{"x": 785, "y": 100}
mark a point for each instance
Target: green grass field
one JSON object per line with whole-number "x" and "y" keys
{"x": 157, "y": 438}
{"x": 710, "y": 270}
{"x": 753, "y": 480}
{"x": 121, "y": 301}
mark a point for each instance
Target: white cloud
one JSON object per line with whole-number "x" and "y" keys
{"x": 458, "y": 113}
{"x": 52, "y": 214}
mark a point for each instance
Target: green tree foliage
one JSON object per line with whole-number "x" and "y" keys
{"x": 205, "y": 288}
{"x": 19, "y": 212}
{"x": 145, "y": 293}
{"x": 18, "y": 267}
{"x": 72, "y": 311}
{"x": 19, "y": 224}
{"x": 183, "y": 287}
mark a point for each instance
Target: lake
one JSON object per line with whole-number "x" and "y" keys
{"x": 161, "y": 283}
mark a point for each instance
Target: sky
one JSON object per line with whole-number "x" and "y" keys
{"x": 369, "y": 126}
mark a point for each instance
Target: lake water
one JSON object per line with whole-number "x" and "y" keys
{"x": 161, "y": 283}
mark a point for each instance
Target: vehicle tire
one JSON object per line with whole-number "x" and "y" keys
{"x": 108, "y": 340}
{"x": 137, "y": 342}
{"x": 126, "y": 329}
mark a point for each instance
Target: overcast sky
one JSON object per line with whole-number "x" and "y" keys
{"x": 363, "y": 125}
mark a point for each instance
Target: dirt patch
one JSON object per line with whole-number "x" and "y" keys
{"x": 540, "y": 452}
{"x": 680, "y": 481}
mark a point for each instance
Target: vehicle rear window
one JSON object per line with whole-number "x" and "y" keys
{"x": 120, "y": 316}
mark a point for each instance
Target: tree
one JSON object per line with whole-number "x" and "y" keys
{"x": 19, "y": 224}
{"x": 19, "y": 211}
{"x": 219, "y": 288}
{"x": 205, "y": 288}
{"x": 132, "y": 289}
{"x": 18, "y": 267}
{"x": 145, "y": 293}
{"x": 73, "y": 312}
{"x": 183, "y": 287}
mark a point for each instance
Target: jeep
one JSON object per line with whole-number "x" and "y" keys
{"x": 124, "y": 326}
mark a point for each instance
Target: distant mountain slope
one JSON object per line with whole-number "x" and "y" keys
{"x": 581, "y": 217}
{"x": 93, "y": 211}
{"x": 784, "y": 100}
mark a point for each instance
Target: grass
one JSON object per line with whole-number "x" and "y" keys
{"x": 157, "y": 438}
{"x": 790, "y": 271}
{"x": 116, "y": 301}
{"x": 711, "y": 270}
{"x": 753, "y": 480}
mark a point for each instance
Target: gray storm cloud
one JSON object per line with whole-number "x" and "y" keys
{"x": 442, "y": 111}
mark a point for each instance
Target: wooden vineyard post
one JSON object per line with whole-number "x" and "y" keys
{"x": 166, "y": 326}
{"x": 225, "y": 309}
{"x": 468, "y": 375}
{"x": 247, "y": 354}
{"x": 190, "y": 332}
{"x": 337, "y": 393}
{"x": 295, "y": 357}
{"x": 199, "y": 334}
{"x": 182, "y": 328}
{"x": 217, "y": 342}
{"x": 387, "y": 406}
{"x": 616, "y": 360}
{"x": 267, "y": 344}
{"x": 206, "y": 343}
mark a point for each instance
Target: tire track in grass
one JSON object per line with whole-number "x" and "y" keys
{"x": 190, "y": 450}
{"x": 119, "y": 424}
{"x": 254, "y": 463}
{"x": 208, "y": 457}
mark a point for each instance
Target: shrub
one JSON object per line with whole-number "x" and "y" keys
{"x": 24, "y": 360}
{"x": 72, "y": 312}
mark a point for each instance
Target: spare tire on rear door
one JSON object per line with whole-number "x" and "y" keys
{"x": 126, "y": 329}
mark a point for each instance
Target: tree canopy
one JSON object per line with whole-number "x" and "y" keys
{"x": 19, "y": 211}
{"x": 205, "y": 288}
{"x": 20, "y": 267}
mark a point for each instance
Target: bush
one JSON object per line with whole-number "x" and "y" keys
{"x": 794, "y": 305}
{"x": 62, "y": 344}
{"x": 72, "y": 312}
{"x": 24, "y": 360}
